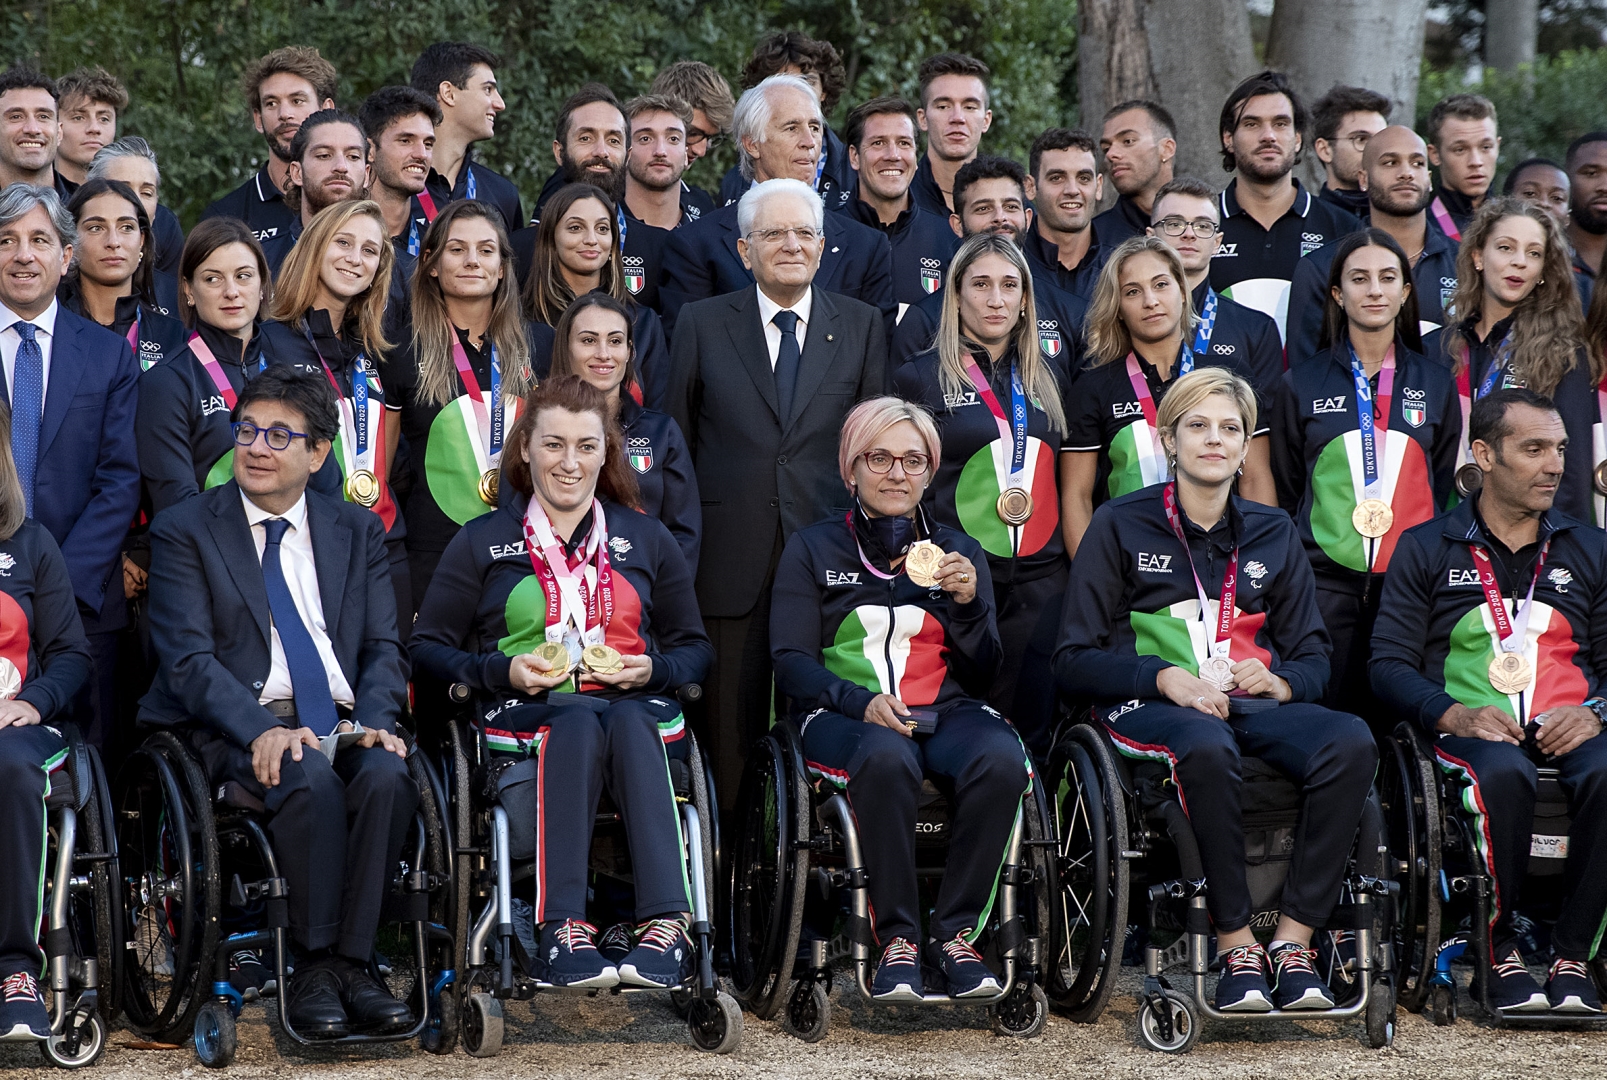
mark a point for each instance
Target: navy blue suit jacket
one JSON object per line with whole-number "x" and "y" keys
{"x": 86, "y": 489}
{"x": 701, "y": 261}
{"x": 210, "y": 623}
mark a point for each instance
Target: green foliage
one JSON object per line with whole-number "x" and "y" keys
{"x": 1541, "y": 110}
{"x": 181, "y": 60}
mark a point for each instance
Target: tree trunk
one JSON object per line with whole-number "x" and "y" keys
{"x": 1510, "y": 30}
{"x": 1113, "y": 57}
{"x": 1373, "y": 43}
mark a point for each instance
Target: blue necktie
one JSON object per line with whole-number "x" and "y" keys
{"x": 315, "y": 708}
{"x": 787, "y": 359}
{"x": 27, "y": 403}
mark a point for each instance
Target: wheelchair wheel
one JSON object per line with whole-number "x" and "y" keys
{"x": 1408, "y": 790}
{"x": 770, "y": 875}
{"x": 463, "y": 865}
{"x": 1022, "y": 1013}
{"x": 808, "y": 1012}
{"x": 1381, "y": 1015}
{"x": 216, "y": 1038}
{"x": 170, "y": 863}
{"x": 440, "y": 1036}
{"x": 79, "y": 1045}
{"x": 1090, "y": 916}
{"x": 99, "y": 831}
{"x": 1184, "y": 1023}
{"x": 482, "y": 1026}
{"x": 716, "y": 1026}
{"x": 1442, "y": 1004}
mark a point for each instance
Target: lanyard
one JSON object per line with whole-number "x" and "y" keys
{"x": 1221, "y": 642}
{"x": 1464, "y": 391}
{"x": 203, "y": 353}
{"x": 1012, "y": 428}
{"x": 353, "y": 413}
{"x": 1146, "y": 402}
{"x": 848, "y": 518}
{"x": 619, "y": 217}
{"x": 489, "y": 427}
{"x": 579, "y": 606}
{"x": 1513, "y": 632}
{"x": 470, "y": 187}
{"x": 1372, "y": 442}
{"x": 427, "y": 204}
{"x": 1443, "y": 216}
{"x": 1202, "y": 331}
{"x": 820, "y": 166}
{"x": 133, "y": 333}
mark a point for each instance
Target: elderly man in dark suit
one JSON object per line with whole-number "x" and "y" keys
{"x": 71, "y": 386}
{"x": 274, "y": 620}
{"x": 760, "y": 380}
{"x": 778, "y": 130}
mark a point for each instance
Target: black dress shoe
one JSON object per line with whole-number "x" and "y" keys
{"x": 314, "y": 1003}
{"x": 372, "y": 1009}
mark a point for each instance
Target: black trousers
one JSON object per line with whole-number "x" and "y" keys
{"x": 978, "y": 757}
{"x": 1029, "y": 623}
{"x": 337, "y": 832}
{"x": 1349, "y": 616}
{"x": 1500, "y": 794}
{"x": 402, "y": 585}
{"x": 28, "y": 756}
{"x": 1331, "y": 756}
{"x": 739, "y": 697}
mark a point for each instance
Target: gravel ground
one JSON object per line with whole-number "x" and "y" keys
{"x": 641, "y": 1037}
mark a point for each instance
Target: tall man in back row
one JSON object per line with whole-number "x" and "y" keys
{"x": 463, "y": 79}
{"x": 1492, "y": 639}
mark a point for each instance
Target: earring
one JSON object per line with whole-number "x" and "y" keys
{"x": 1241, "y": 471}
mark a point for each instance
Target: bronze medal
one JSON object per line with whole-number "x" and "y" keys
{"x": 1014, "y": 506}
{"x": 1372, "y": 518}
{"x": 602, "y": 660}
{"x": 556, "y": 654}
{"x": 1600, "y": 478}
{"x": 1510, "y": 673}
{"x": 920, "y": 563}
{"x": 1469, "y": 478}
{"x": 10, "y": 679}
{"x": 1218, "y": 671}
{"x": 488, "y": 486}
{"x": 362, "y": 487}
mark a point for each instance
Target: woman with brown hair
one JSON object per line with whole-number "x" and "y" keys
{"x": 1521, "y": 326}
{"x": 571, "y": 616}
{"x": 577, "y": 251}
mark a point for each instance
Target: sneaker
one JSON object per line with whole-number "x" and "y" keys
{"x": 1570, "y": 989}
{"x": 23, "y": 1016}
{"x": 1242, "y": 986}
{"x": 898, "y": 976}
{"x": 568, "y": 953}
{"x": 617, "y": 942}
{"x": 663, "y": 956}
{"x": 250, "y": 976}
{"x": 964, "y": 970}
{"x": 1296, "y": 984}
{"x": 1513, "y": 989}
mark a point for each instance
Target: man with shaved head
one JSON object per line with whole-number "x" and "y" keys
{"x": 1394, "y": 174}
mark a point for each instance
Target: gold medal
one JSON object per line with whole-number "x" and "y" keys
{"x": 1510, "y": 673}
{"x": 601, "y": 660}
{"x": 1372, "y": 518}
{"x": 1469, "y": 478}
{"x": 1600, "y": 477}
{"x": 1014, "y": 506}
{"x": 488, "y": 486}
{"x": 556, "y": 654}
{"x": 920, "y": 563}
{"x": 1218, "y": 671}
{"x": 362, "y": 487}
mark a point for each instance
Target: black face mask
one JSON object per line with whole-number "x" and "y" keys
{"x": 893, "y": 535}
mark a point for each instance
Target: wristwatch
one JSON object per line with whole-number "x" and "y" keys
{"x": 1598, "y": 706}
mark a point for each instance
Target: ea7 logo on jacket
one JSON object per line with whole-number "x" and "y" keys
{"x": 842, "y": 577}
{"x": 213, "y": 404}
{"x": 955, "y": 401}
{"x": 1227, "y": 251}
{"x": 1123, "y": 409}
{"x": 1319, "y": 406}
{"x": 1154, "y": 564}
{"x": 1463, "y": 577}
{"x": 503, "y": 551}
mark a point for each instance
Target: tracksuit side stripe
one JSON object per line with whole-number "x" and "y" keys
{"x": 50, "y": 766}
{"x": 1132, "y": 748}
{"x": 987, "y": 909}
{"x": 541, "y": 833}
{"x": 1473, "y": 803}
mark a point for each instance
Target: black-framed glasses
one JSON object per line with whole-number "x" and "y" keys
{"x": 880, "y": 462}
{"x": 1358, "y": 140}
{"x": 1204, "y": 228}
{"x": 697, "y": 137}
{"x": 279, "y": 438}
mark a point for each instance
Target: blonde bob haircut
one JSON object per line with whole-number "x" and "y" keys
{"x": 1108, "y": 337}
{"x": 1190, "y": 390}
{"x": 867, "y": 421}
{"x": 954, "y": 349}
{"x": 296, "y": 291}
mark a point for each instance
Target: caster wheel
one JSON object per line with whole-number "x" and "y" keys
{"x": 1442, "y": 1005}
{"x": 440, "y": 1036}
{"x": 215, "y": 1037}
{"x": 808, "y": 1013}
{"x": 81, "y": 1045}
{"x": 1022, "y": 1013}
{"x": 1185, "y": 1024}
{"x": 716, "y": 1026}
{"x": 1381, "y": 1016}
{"x": 482, "y": 1026}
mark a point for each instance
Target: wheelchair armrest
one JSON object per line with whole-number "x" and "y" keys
{"x": 689, "y": 694}
{"x": 459, "y": 693}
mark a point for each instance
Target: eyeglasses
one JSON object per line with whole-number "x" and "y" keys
{"x": 1175, "y": 226}
{"x": 278, "y": 437}
{"x": 772, "y": 237}
{"x": 695, "y": 137}
{"x": 1358, "y": 140}
{"x": 880, "y": 462}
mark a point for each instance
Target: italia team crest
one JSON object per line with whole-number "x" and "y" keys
{"x": 635, "y": 276}
{"x": 1413, "y": 412}
{"x": 1049, "y": 339}
{"x": 931, "y": 276}
{"x": 639, "y": 452}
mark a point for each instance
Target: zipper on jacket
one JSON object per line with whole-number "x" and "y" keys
{"x": 887, "y": 642}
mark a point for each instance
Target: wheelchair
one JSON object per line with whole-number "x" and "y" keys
{"x": 494, "y": 964}
{"x": 1125, "y": 840}
{"x": 196, "y": 858}
{"x": 1443, "y": 875}
{"x": 795, "y": 839}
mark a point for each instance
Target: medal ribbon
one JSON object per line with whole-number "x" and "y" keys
{"x": 1443, "y": 216}
{"x": 1465, "y": 394}
{"x": 133, "y": 334}
{"x": 1146, "y": 402}
{"x": 353, "y": 414}
{"x": 1510, "y": 632}
{"x": 585, "y": 601}
{"x": 1221, "y": 642}
{"x": 427, "y": 204}
{"x": 1202, "y": 330}
{"x": 490, "y": 427}
{"x": 1372, "y": 441}
{"x": 470, "y": 187}
{"x": 1012, "y": 428}
{"x": 849, "y": 519}
{"x": 203, "y": 353}
{"x": 1599, "y": 450}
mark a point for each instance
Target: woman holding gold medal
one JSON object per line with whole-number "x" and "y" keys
{"x": 885, "y": 666}
{"x": 328, "y": 319}
{"x": 997, "y": 401}
{"x": 459, "y": 379}
{"x": 1367, "y": 432}
{"x": 571, "y": 616}
{"x": 1191, "y": 624}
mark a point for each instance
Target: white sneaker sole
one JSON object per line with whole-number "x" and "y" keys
{"x": 629, "y": 976}
{"x": 22, "y": 1033}
{"x": 901, "y": 992}
{"x": 1537, "y": 1003}
{"x": 1313, "y": 998}
{"x": 1573, "y": 1003}
{"x": 596, "y": 982}
{"x": 986, "y": 988}
{"x": 1254, "y": 1001}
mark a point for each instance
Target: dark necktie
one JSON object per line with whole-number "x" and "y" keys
{"x": 27, "y": 403}
{"x": 786, "y": 361}
{"x": 315, "y": 708}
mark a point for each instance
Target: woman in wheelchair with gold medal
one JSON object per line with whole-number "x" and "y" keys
{"x": 570, "y": 616}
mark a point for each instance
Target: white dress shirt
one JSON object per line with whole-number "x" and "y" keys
{"x": 772, "y": 332}
{"x": 11, "y": 341}
{"x": 301, "y": 574}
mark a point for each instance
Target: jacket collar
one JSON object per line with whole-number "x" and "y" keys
{"x": 1463, "y": 525}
